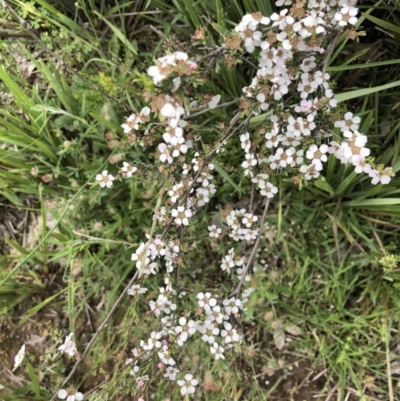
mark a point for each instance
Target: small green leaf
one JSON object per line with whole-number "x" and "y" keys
{"x": 322, "y": 184}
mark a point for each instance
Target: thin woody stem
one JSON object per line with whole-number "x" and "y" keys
{"x": 199, "y": 113}
{"x": 253, "y": 253}
{"x": 207, "y": 160}
{"x": 136, "y": 276}
{"x": 99, "y": 330}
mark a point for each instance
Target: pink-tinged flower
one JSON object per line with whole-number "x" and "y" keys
{"x": 382, "y": 176}
{"x": 305, "y": 106}
{"x": 128, "y": 170}
{"x": 165, "y": 155}
{"x": 311, "y": 171}
{"x": 69, "y": 346}
{"x": 361, "y": 165}
{"x": 170, "y": 373}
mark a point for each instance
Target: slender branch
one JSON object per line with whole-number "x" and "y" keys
{"x": 215, "y": 53}
{"x": 137, "y": 275}
{"x": 102, "y": 239}
{"x": 253, "y": 253}
{"x": 94, "y": 338}
{"x": 199, "y": 113}
{"x": 200, "y": 170}
{"x": 331, "y": 48}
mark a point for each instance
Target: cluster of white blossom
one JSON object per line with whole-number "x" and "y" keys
{"x": 177, "y": 62}
{"x": 241, "y": 225}
{"x": 155, "y": 250}
{"x": 286, "y": 67}
{"x": 292, "y": 90}
{"x": 213, "y": 326}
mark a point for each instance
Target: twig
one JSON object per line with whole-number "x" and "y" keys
{"x": 137, "y": 275}
{"x": 331, "y": 392}
{"x": 199, "y": 113}
{"x": 253, "y": 253}
{"x": 99, "y": 330}
{"x": 88, "y": 318}
{"x": 32, "y": 33}
{"x": 215, "y": 53}
{"x": 330, "y": 49}
{"x": 158, "y": 32}
{"x": 121, "y": 369}
{"x": 206, "y": 161}
{"x": 102, "y": 239}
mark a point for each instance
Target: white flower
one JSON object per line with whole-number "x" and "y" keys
{"x": 383, "y": 176}
{"x": 269, "y": 190}
{"x": 168, "y": 110}
{"x": 130, "y": 123}
{"x": 349, "y": 123}
{"x": 214, "y": 231}
{"x": 170, "y": 373}
{"x": 153, "y": 341}
{"x": 165, "y": 357}
{"x": 310, "y": 171}
{"x": 346, "y": 15}
{"x": 136, "y": 289}
{"x": 206, "y": 301}
{"x": 272, "y": 139}
{"x": 245, "y": 141}
{"x": 209, "y": 331}
{"x": 165, "y": 154}
{"x": 214, "y": 102}
{"x": 174, "y": 136}
{"x": 218, "y": 351}
{"x": 185, "y": 329}
{"x": 155, "y": 73}
{"x": 188, "y": 385}
{"x": 215, "y": 314}
{"x": 70, "y": 395}
{"x": 181, "y": 215}
{"x": 128, "y": 169}
{"x": 282, "y": 158}
{"x": 232, "y": 305}
{"x": 105, "y": 179}
{"x": 135, "y": 368}
{"x": 69, "y": 346}
{"x": 229, "y": 334}
{"x": 19, "y": 357}
{"x": 317, "y": 154}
